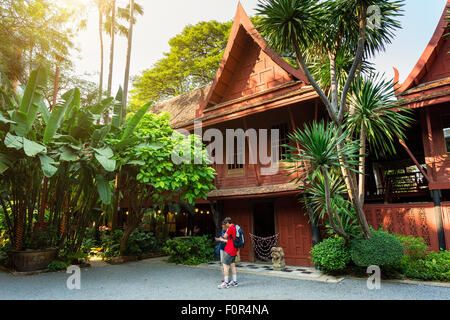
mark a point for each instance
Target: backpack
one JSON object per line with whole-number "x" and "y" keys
{"x": 239, "y": 241}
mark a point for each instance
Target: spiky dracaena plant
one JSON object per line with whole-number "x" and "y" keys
{"x": 376, "y": 118}
{"x": 316, "y": 161}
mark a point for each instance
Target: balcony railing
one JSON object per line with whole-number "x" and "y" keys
{"x": 411, "y": 182}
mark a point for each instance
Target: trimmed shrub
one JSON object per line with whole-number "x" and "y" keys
{"x": 434, "y": 266}
{"x": 382, "y": 249}
{"x": 415, "y": 248}
{"x": 190, "y": 251}
{"x": 331, "y": 254}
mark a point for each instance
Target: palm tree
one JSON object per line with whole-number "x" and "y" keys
{"x": 111, "y": 50}
{"x": 332, "y": 29}
{"x": 376, "y": 118}
{"x": 127, "y": 68}
{"x": 113, "y": 26}
{"x": 102, "y": 6}
{"x": 317, "y": 161}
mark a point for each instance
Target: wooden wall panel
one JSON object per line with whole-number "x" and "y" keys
{"x": 240, "y": 212}
{"x": 436, "y": 156}
{"x": 446, "y": 222}
{"x": 416, "y": 219}
{"x": 295, "y": 233}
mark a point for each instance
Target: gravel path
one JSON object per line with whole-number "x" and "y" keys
{"x": 155, "y": 279}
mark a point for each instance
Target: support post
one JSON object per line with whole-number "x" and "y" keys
{"x": 313, "y": 225}
{"x": 436, "y": 195}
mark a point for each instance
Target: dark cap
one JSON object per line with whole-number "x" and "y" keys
{"x": 227, "y": 220}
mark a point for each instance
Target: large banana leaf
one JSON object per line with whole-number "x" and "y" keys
{"x": 107, "y": 163}
{"x": 67, "y": 154}
{"x": 104, "y": 157}
{"x": 5, "y": 162}
{"x": 76, "y": 102}
{"x": 32, "y": 148}
{"x": 31, "y": 101}
{"x": 48, "y": 165}
{"x": 99, "y": 108}
{"x": 6, "y": 120}
{"x": 12, "y": 141}
{"x": 21, "y": 126}
{"x": 58, "y": 114}
{"x": 99, "y": 135}
{"x": 104, "y": 189}
{"x": 132, "y": 124}
{"x": 117, "y": 116}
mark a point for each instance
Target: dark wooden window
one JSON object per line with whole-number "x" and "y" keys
{"x": 446, "y": 131}
{"x": 283, "y": 134}
{"x": 237, "y": 154}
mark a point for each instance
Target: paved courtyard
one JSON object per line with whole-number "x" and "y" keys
{"x": 156, "y": 279}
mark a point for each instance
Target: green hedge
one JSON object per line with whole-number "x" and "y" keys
{"x": 434, "y": 266}
{"x": 418, "y": 263}
{"x": 382, "y": 249}
{"x": 190, "y": 250}
{"x": 331, "y": 254}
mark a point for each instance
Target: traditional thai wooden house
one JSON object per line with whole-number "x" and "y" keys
{"x": 256, "y": 88}
{"x": 414, "y": 186}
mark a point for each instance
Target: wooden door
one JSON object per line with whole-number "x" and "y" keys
{"x": 294, "y": 229}
{"x": 239, "y": 211}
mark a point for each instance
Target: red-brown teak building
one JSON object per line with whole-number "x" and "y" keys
{"x": 256, "y": 88}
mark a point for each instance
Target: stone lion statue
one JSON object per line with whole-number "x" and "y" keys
{"x": 277, "y": 254}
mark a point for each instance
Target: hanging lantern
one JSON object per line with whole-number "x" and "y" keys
{"x": 196, "y": 209}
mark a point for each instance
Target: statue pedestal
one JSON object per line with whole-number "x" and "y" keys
{"x": 278, "y": 262}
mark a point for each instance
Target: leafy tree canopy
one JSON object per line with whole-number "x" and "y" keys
{"x": 191, "y": 63}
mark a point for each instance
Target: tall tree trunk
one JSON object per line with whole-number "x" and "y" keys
{"x": 111, "y": 50}
{"x": 100, "y": 31}
{"x": 362, "y": 163}
{"x": 19, "y": 227}
{"x": 106, "y": 115}
{"x": 127, "y": 68}
{"x": 126, "y": 234}
{"x": 331, "y": 215}
{"x": 116, "y": 203}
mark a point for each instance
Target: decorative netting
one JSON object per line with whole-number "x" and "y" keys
{"x": 263, "y": 245}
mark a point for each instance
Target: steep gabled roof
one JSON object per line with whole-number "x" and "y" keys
{"x": 248, "y": 65}
{"x": 434, "y": 64}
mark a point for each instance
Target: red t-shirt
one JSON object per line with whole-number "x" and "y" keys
{"x": 230, "y": 248}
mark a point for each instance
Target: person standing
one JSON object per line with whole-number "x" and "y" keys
{"x": 229, "y": 255}
{"x": 221, "y": 246}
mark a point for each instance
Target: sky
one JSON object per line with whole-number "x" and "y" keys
{"x": 163, "y": 19}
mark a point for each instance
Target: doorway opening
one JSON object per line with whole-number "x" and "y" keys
{"x": 264, "y": 237}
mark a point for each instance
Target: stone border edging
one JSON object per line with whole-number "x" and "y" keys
{"x": 408, "y": 281}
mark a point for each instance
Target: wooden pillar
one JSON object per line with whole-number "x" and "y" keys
{"x": 436, "y": 195}
{"x": 430, "y": 142}
{"x": 250, "y": 149}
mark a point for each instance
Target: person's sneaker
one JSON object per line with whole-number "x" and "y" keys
{"x": 223, "y": 285}
{"x": 233, "y": 284}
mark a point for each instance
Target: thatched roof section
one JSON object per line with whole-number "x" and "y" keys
{"x": 254, "y": 191}
{"x": 182, "y": 108}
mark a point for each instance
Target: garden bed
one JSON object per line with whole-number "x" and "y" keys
{"x": 123, "y": 259}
